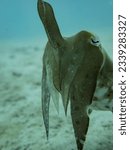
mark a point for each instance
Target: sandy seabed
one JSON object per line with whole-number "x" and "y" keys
{"x": 21, "y": 122}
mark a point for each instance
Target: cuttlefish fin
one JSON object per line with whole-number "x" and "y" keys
{"x": 45, "y": 100}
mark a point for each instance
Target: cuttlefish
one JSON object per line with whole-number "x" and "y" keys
{"x": 77, "y": 68}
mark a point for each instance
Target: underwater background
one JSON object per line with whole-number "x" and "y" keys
{"x": 22, "y": 42}
{"x": 19, "y": 20}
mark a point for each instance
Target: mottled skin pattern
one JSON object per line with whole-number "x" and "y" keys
{"x": 76, "y": 67}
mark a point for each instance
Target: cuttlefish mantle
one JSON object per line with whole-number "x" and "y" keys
{"x": 71, "y": 67}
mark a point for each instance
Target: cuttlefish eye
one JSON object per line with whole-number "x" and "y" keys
{"x": 94, "y": 40}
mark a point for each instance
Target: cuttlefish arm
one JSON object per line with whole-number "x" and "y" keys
{"x": 56, "y": 44}
{"x": 47, "y": 17}
{"x": 45, "y": 100}
{"x": 70, "y": 65}
{"x": 50, "y": 70}
{"x": 55, "y": 40}
{"x": 82, "y": 91}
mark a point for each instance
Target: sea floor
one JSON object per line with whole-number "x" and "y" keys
{"x": 21, "y": 122}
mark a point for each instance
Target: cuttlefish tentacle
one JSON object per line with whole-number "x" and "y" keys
{"x": 45, "y": 100}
